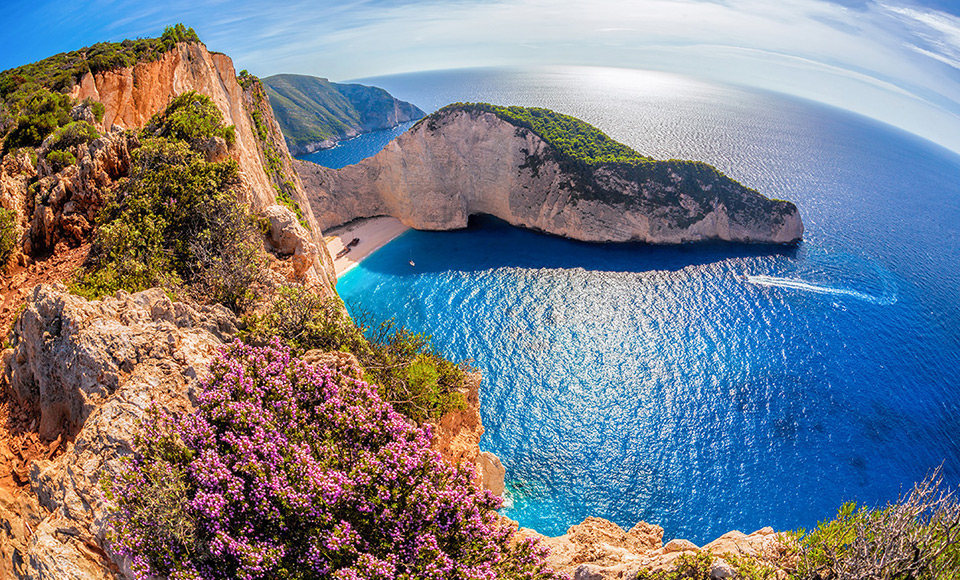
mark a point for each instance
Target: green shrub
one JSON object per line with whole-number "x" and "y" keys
{"x": 20, "y": 87}
{"x": 60, "y": 159}
{"x": 687, "y": 567}
{"x": 175, "y": 223}
{"x": 246, "y": 80}
{"x": 748, "y": 568}
{"x": 228, "y": 264}
{"x": 40, "y": 115}
{"x": 285, "y": 198}
{"x": 403, "y": 364}
{"x": 61, "y": 71}
{"x": 571, "y": 137}
{"x": 72, "y": 134}
{"x": 410, "y": 374}
{"x": 917, "y": 537}
{"x": 9, "y": 236}
{"x": 7, "y": 119}
{"x": 191, "y": 117}
{"x": 178, "y": 33}
{"x": 304, "y": 320}
{"x": 97, "y": 108}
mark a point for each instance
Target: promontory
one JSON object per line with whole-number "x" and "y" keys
{"x": 545, "y": 171}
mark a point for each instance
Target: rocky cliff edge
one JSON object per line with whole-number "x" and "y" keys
{"x": 132, "y": 95}
{"x": 82, "y": 375}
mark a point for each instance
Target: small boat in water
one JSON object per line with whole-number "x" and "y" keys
{"x": 411, "y": 263}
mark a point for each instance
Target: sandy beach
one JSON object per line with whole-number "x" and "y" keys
{"x": 373, "y": 233}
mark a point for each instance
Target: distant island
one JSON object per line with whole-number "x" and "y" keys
{"x": 546, "y": 171}
{"x": 315, "y": 113}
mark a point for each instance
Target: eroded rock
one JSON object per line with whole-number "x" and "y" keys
{"x": 93, "y": 369}
{"x": 343, "y": 362}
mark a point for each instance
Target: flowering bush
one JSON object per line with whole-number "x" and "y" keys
{"x": 409, "y": 371}
{"x": 287, "y": 470}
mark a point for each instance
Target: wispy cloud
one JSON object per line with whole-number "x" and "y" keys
{"x": 935, "y": 33}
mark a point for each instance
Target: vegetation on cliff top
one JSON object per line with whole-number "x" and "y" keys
{"x": 32, "y": 99}
{"x": 311, "y": 109}
{"x": 258, "y": 107}
{"x": 409, "y": 372}
{"x": 294, "y": 471}
{"x": 61, "y": 71}
{"x": 572, "y": 138}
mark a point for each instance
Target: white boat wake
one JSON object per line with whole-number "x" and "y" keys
{"x": 794, "y": 284}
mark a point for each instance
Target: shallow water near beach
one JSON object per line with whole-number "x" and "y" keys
{"x": 705, "y": 387}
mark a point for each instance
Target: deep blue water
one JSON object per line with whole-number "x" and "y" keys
{"x": 360, "y": 147}
{"x": 704, "y": 387}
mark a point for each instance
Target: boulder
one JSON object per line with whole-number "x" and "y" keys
{"x": 343, "y": 362}
{"x": 289, "y": 237}
{"x": 679, "y": 546}
{"x": 720, "y": 570}
{"x": 492, "y": 472}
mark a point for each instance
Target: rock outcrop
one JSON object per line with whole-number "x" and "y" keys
{"x": 457, "y": 163}
{"x": 597, "y": 549}
{"x": 457, "y": 437}
{"x": 132, "y": 95}
{"x": 90, "y": 371}
{"x": 66, "y": 203}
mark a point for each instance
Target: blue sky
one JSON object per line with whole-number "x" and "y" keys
{"x": 892, "y": 60}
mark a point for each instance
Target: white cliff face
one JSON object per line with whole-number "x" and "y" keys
{"x": 446, "y": 169}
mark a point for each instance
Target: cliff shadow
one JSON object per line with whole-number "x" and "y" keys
{"x": 490, "y": 243}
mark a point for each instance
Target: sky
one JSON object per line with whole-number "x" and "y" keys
{"x": 894, "y": 60}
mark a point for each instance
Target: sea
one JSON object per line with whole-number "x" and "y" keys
{"x": 703, "y": 387}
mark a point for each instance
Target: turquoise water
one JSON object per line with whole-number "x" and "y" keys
{"x": 704, "y": 387}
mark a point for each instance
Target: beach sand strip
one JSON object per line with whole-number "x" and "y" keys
{"x": 373, "y": 234}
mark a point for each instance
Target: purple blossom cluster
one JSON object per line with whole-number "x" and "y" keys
{"x": 290, "y": 470}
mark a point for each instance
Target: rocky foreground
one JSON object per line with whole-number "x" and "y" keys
{"x": 461, "y": 162}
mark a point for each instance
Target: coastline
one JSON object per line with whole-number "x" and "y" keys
{"x": 373, "y": 233}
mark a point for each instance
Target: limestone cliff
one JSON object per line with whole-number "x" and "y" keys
{"x": 457, "y": 437}
{"x": 459, "y": 162}
{"x": 132, "y": 95}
